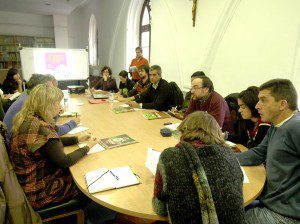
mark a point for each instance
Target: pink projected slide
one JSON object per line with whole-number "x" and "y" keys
{"x": 56, "y": 60}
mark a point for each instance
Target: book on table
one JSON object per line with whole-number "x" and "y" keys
{"x": 119, "y": 110}
{"x": 107, "y": 179}
{"x": 97, "y": 101}
{"x": 116, "y": 141}
{"x": 155, "y": 115}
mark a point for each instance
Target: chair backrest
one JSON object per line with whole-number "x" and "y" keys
{"x": 18, "y": 209}
{"x": 177, "y": 95}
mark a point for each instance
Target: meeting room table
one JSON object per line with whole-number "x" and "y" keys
{"x": 134, "y": 200}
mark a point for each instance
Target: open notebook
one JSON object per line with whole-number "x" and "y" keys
{"x": 106, "y": 179}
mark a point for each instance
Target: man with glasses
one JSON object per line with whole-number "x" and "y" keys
{"x": 204, "y": 98}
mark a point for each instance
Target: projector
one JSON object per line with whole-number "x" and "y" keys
{"x": 76, "y": 89}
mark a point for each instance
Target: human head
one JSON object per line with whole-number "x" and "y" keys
{"x": 12, "y": 75}
{"x": 202, "y": 126}
{"x": 277, "y": 98}
{"x": 197, "y": 74}
{"x": 247, "y": 101}
{"x": 143, "y": 72}
{"x": 155, "y": 74}
{"x": 106, "y": 71}
{"x": 123, "y": 75}
{"x": 44, "y": 101}
{"x": 138, "y": 52}
{"x": 37, "y": 79}
{"x": 201, "y": 87}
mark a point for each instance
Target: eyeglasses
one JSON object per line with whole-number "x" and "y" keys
{"x": 197, "y": 87}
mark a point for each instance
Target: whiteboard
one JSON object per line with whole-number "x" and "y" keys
{"x": 63, "y": 64}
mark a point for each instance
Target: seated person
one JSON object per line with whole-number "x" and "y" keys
{"x": 159, "y": 94}
{"x": 12, "y": 82}
{"x": 126, "y": 84}
{"x": 204, "y": 98}
{"x": 37, "y": 152}
{"x": 256, "y": 129}
{"x": 106, "y": 83}
{"x": 140, "y": 86}
{"x": 280, "y": 149}
{"x": 34, "y": 80}
{"x": 199, "y": 180}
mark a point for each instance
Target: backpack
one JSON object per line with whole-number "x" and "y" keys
{"x": 177, "y": 99}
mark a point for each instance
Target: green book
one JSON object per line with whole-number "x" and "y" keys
{"x": 116, "y": 141}
{"x": 118, "y": 110}
{"x": 155, "y": 115}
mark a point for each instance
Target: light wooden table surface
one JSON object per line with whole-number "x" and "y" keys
{"x": 133, "y": 200}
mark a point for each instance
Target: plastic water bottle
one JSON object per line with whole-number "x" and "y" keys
{"x": 111, "y": 100}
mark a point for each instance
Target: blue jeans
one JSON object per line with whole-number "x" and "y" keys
{"x": 263, "y": 215}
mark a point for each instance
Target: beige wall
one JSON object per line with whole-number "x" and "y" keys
{"x": 237, "y": 43}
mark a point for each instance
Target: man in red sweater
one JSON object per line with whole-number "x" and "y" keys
{"x": 204, "y": 98}
{"x": 137, "y": 62}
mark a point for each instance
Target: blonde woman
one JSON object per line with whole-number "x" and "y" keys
{"x": 37, "y": 151}
{"x": 199, "y": 180}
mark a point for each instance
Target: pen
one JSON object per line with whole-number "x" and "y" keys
{"x": 133, "y": 171}
{"x": 76, "y": 114}
{"x": 115, "y": 176}
{"x": 98, "y": 178}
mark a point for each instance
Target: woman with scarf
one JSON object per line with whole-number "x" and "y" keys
{"x": 199, "y": 180}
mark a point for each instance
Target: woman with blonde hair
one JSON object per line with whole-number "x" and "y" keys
{"x": 37, "y": 151}
{"x": 199, "y": 180}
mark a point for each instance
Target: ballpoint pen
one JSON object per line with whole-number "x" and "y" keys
{"x": 115, "y": 176}
{"x": 98, "y": 178}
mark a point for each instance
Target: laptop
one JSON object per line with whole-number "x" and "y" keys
{"x": 99, "y": 95}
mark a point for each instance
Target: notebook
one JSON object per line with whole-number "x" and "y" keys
{"x": 107, "y": 179}
{"x": 116, "y": 141}
{"x": 99, "y": 95}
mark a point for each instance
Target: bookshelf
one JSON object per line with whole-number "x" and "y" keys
{"x": 9, "y": 48}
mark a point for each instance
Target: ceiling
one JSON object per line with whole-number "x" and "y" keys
{"x": 43, "y": 7}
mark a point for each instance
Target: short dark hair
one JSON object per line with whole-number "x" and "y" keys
{"x": 139, "y": 48}
{"x": 124, "y": 74}
{"x": 206, "y": 82}
{"x": 197, "y": 74}
{"x": 250, "y": 99}
{"x": 106, "y": 67}
{"x": 157, "y": 68}
{"x": 282, "y": 89}
{"x": 145, "y": 68}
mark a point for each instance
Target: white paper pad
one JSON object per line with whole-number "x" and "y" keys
{"x": 246, "y": 179}
{"x": 152, "y": 160}
{"x": 173, "y": 126}
{"x": 230, "y": 144}
{"x": 77, "y": 130}
{"x": 96, "y": 148}
{"x": 124, "y": 105}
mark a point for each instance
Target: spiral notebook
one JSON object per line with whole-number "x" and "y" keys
{"x": 107, "y": 179}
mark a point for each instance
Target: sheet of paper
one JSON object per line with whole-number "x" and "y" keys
{"x": 173, "y": 126}
{"x": 152, "y": 160}
{"x": 246, "y": 179}
{"x": 124, "y": 105}
{"x": 78, "y": 130}
{"x": 96, "y": 148}
{"x": 231, "y": 144}
{"x": 14, "y": 96}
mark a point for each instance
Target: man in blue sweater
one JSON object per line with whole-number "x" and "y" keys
{"x": 34, "y": 80}
{"x": 280, "y": 199}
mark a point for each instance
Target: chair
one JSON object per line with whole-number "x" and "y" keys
{"x": 17, "y": 196}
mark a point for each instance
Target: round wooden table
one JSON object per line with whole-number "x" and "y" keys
{"x": 133, "y": 200}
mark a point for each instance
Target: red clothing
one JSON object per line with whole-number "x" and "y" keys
{"x": 216, "y": 106}
{"x": 137, "y": 63}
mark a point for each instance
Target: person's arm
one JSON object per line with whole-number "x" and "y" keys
{"x": 65, "y": 128}
{"x": 66, "y": 141}
{"x": 132, "y": 92}
{"x": 164, "y": 94}
{"x": 144, "y": 97}
{"x": 257, "y": 155}
{"x": 54, "y": 151}
{"x": 158, "y": 204}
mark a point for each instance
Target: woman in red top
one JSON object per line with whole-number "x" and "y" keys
{"x": 255, "y": 129}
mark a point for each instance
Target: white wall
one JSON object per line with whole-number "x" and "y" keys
{"x": 24, "y": 24}
{"x": 111, "y": 19}
{"x": 61, "y": 31}
{"x": 237, "y": 43}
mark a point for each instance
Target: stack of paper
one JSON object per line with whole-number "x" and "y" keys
{"x": 77, "y": 130}
{"x": 152, "y": 160}
{"x": 246, "y": 179}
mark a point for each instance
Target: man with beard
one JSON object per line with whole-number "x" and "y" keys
{"x": 204, "y": 98}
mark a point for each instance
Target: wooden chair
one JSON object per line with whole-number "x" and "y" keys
{"x": 72, "y": 207}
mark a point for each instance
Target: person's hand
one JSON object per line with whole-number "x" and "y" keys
{"x": 84, "y": 137}
{"x": 174, "y": 110}
{"x": 77, "y": 120}
{"x": 133, "y": 104}
{"x": 93, "y": 141}
{"x": 7, "y": 96}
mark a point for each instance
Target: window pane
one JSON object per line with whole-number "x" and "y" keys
{"x": 146, "y": 19}
{"x": 145, "y": 39}
{"x": 146, "y": 52}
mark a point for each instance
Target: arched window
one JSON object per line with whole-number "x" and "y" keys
{"x": 145, "y": 29}
{"x": 93, "y": 41}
